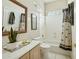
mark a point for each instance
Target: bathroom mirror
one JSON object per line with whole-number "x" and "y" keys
{"x": 33, "y": 22}
{"x": 14, "y": 16}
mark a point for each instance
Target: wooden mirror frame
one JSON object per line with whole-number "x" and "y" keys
{"x": 21, "y": 5}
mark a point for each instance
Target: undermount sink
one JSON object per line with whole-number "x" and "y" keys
{"x": 11, "y": 47}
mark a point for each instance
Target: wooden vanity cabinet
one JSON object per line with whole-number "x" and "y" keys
{"x": 33, "y": 54}
{"x": 25, "y": 56}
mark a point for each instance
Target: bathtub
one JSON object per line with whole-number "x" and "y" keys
{"x": 52, "y": 49}
{"x": 55, "y": 49}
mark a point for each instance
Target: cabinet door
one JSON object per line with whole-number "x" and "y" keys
{"x": 25, "y": 56}
{"x": 35, "y": 53}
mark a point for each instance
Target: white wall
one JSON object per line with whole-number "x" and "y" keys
{"x": 69, "y": 1}
{"x": 56, "y": 5}
{"x": 39, "y": 11}
{"x": 74, "y": 42}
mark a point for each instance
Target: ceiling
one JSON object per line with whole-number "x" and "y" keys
{"x": 46, "y": 1}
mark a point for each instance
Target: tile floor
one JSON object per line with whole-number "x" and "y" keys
{"x": 57, "y": 56}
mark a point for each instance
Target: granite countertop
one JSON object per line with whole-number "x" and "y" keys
{"x": 20, "y": 52}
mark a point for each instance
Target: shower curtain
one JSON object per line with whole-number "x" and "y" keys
{"x": 66, "y": 39}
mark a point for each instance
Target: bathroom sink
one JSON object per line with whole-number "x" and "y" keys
{"x": 11, "y": 47}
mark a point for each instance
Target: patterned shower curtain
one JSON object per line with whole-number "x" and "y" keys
{"x": 66, "y": 41}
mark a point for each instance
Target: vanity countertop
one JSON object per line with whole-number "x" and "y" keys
{"x": 20, "y": 52}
